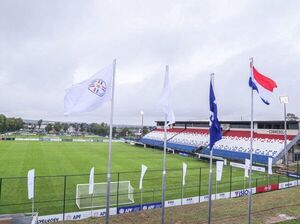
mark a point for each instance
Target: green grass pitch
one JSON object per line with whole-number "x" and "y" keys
{"x": 53, "y": 160}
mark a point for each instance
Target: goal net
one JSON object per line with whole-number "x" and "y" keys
{"x": 120, "y": 193}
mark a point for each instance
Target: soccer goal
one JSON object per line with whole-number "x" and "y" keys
{"x": 120, "y": 193}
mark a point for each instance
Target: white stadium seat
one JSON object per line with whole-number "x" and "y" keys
{"x": 261, "y": 146}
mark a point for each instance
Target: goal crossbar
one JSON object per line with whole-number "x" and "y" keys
{"x": 120, "y": 193}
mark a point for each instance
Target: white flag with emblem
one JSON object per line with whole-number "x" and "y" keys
{"x": 143, "y": 171}
{"x": 90, "y": 94}
{"x": 91, "y": 181}
{"x": 30, "y": 182}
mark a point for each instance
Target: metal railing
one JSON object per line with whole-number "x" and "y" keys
{"x": 57, "y": 194}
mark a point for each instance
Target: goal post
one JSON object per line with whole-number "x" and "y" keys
{"x": 120, "y": 193}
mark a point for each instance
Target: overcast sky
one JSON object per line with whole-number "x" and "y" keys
{"x": 46, "y": 46}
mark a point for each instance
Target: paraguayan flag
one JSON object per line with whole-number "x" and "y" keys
{"x": 263, "y": 85}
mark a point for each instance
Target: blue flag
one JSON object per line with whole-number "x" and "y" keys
{"x": 215, "y": 130}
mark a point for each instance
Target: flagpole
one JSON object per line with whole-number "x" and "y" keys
{"x": 169, "y": 116}
{"x": 182, "y": 186}
{"x": 92, "y": 202}
{"x": 143, "y": 172}
{"x": 216, "y": 189}
{"x": 251, "y": 149}
{"x": 210, "y": 171}
{"x": 210, "y": 186}
{"x": 110, "y": 145}
{"x": 141, "y": 199}
{"x": 32, "y": 206}
{"x": 164, "y": 174}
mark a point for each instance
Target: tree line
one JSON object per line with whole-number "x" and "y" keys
{"x": 101, "y": 129}
{"x": 15, "y": 124}
{"x": 10, "y": 124}
{"x": 97, "y": 129}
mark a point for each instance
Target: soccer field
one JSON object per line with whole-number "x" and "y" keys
{"x": 62, "y": 165}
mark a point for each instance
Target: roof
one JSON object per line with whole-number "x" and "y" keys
{"x": 233, "y": 122}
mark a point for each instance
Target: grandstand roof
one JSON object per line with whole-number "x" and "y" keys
{"x": 228, "y": 121}
{"x": 263, "y": 124}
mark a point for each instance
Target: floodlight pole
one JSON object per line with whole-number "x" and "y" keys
{"x": 284, "y": 100}
{"x": 285, "y": 136}
{"x": 110, "y": 146}
{"x": 142, "y": 131}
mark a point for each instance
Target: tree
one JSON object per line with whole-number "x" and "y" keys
{"x": 76, "y": 127}
{"x": 14, "y": 124}
{"x": 98, "y": 129}
{"x": 65, "y": 126}
{"x": 57, "y": 126}
{"x": 3, "y": 123}
{"x": 291, "y": 117}
{"x": 40, "y": 123}
{"x": 125, "y": 132}
{"x": 145, "y": 130}
{"x": 83, "y": 127}
{"x": 10, "y": 124}
{"x": 114, "y": 132}
{"x": 49, "y": 128}
{"x": 19, "y": 123}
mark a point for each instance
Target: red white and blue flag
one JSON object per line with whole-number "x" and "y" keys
{"x": 262, "y": 84}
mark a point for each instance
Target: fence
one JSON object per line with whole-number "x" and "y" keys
{"x": 57, "y": 194}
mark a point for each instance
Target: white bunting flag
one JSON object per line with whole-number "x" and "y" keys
{"x": 30, "y": 180}
{"x": 270, "y": 162}
{"x": 165, "y": 101}
{"x": 91, "y": 181}
{"x": 219, "y": 170}
{"x": 90, "y": 94}
{"x": 247, "y": 167}
{"x": 143, "y": 171}
{"x": 184, "y": 168}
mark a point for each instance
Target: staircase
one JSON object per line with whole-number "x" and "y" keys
{"x": 206, "y": 146}
{"x": 282, "y": 169}
{"x": 288, "y": 147}
{"x": 176, "y": 134}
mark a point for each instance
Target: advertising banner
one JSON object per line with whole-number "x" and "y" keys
{"x": 136, "y": 208}
{"x": 266, "y": 188}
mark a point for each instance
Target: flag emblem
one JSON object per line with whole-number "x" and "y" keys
{"x": 98, "y": 87}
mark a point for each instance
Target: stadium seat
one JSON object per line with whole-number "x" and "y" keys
{"x": 234, "y": 144}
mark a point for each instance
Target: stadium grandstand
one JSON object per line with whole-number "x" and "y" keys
{"x": 192, "y": 137}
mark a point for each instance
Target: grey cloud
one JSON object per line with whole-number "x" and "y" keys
{"x": 45, "y": 43}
